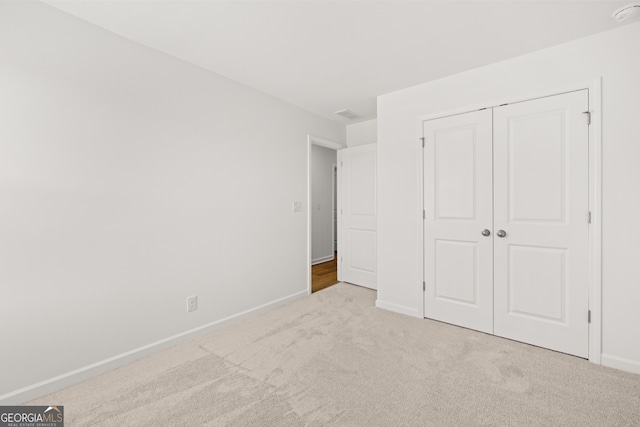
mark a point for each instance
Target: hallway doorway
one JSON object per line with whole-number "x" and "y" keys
{"x": 323, "y": 186}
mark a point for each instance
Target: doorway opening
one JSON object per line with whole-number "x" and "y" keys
{"x": 325, "y": 274}
{"x": 322, "y": 217}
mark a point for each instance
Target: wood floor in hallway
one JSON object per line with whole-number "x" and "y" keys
{"x": 324, "y": 275}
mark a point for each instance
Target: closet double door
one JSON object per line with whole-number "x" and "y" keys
{"x": 506, "y": 221}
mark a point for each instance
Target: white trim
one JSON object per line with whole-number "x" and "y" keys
{"x": 595, "y": 229}
{"x": 420, "y": 219}
{"x": 334, "y": 206}
{"x": 325, "y": 143}
{"x": 339, "y": 200}
{"x": 595, "y": 194}
{"x": 621, "y": 363}
{"x": 314, "y": 140}
{"x": 528, "y": 96}
{"x": 409, "y": 311}
{"x": 77, "y": 375}
{"x": 322, "y": 259}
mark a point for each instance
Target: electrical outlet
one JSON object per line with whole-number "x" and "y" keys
{"x": 192, "y": 303}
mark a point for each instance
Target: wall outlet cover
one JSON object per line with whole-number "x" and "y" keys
{"x": 192, "y": 303}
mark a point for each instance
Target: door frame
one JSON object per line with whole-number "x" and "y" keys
{"x": 334, "y": 204}
{"x": 322, "y": 142}
{"x": 594, "y": 88}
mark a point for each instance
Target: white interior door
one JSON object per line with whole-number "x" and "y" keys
{"x": 458, "y": 263}
{"x": 358, "y": 238}
{"x": 541, "y": 204}
{"x": 520, "y": 172}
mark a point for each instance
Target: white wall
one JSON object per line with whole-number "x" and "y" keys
{"x": 614, "y": 57}
{"x": 323, "y": 161}
{"x": 362, "y": 133}
{"x": 129, "y": 181}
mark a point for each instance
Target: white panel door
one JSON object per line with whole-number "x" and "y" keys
{"x": 541, "y": 204}
{"x": 458, "y": 264}
{"x": 358, "y": 240}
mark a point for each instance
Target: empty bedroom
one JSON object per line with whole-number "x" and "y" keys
{"x": 319, "y": 213}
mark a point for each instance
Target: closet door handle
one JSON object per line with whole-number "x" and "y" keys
{"x": 501, "y": 233}
{"x": 486, "y": 232}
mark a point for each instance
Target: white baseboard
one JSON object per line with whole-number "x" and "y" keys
{"x": 409, "y": 311}
{"x": 322, "y": 259}
{"x": 59, "y": 382}
{"x": 621, "y": 363}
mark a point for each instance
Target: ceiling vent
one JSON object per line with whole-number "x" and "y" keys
{"x": 626, "y": 12}
{"x": 347, "y": 114}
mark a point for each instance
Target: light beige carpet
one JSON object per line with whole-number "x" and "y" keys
{"x": 333, "y": 359}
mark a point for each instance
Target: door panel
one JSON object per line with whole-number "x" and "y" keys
{"x": 361, "y": 170}
{"x": 537, "y": 157}
{"x": 457, "y": 201}
{"x": 537, "y": 282}
{"x": 362, "y": 250}
{"x": 455, "y": 160}
{"x": 456, "y": 270}
{"x": 358, "y": 249}
{"x": 541, "y": 202}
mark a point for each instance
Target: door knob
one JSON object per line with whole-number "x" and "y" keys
{"x": 486, "y": 232}
{"x": 501, "y": 233}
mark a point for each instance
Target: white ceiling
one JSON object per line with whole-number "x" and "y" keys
{"x": 325, "y": 56}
